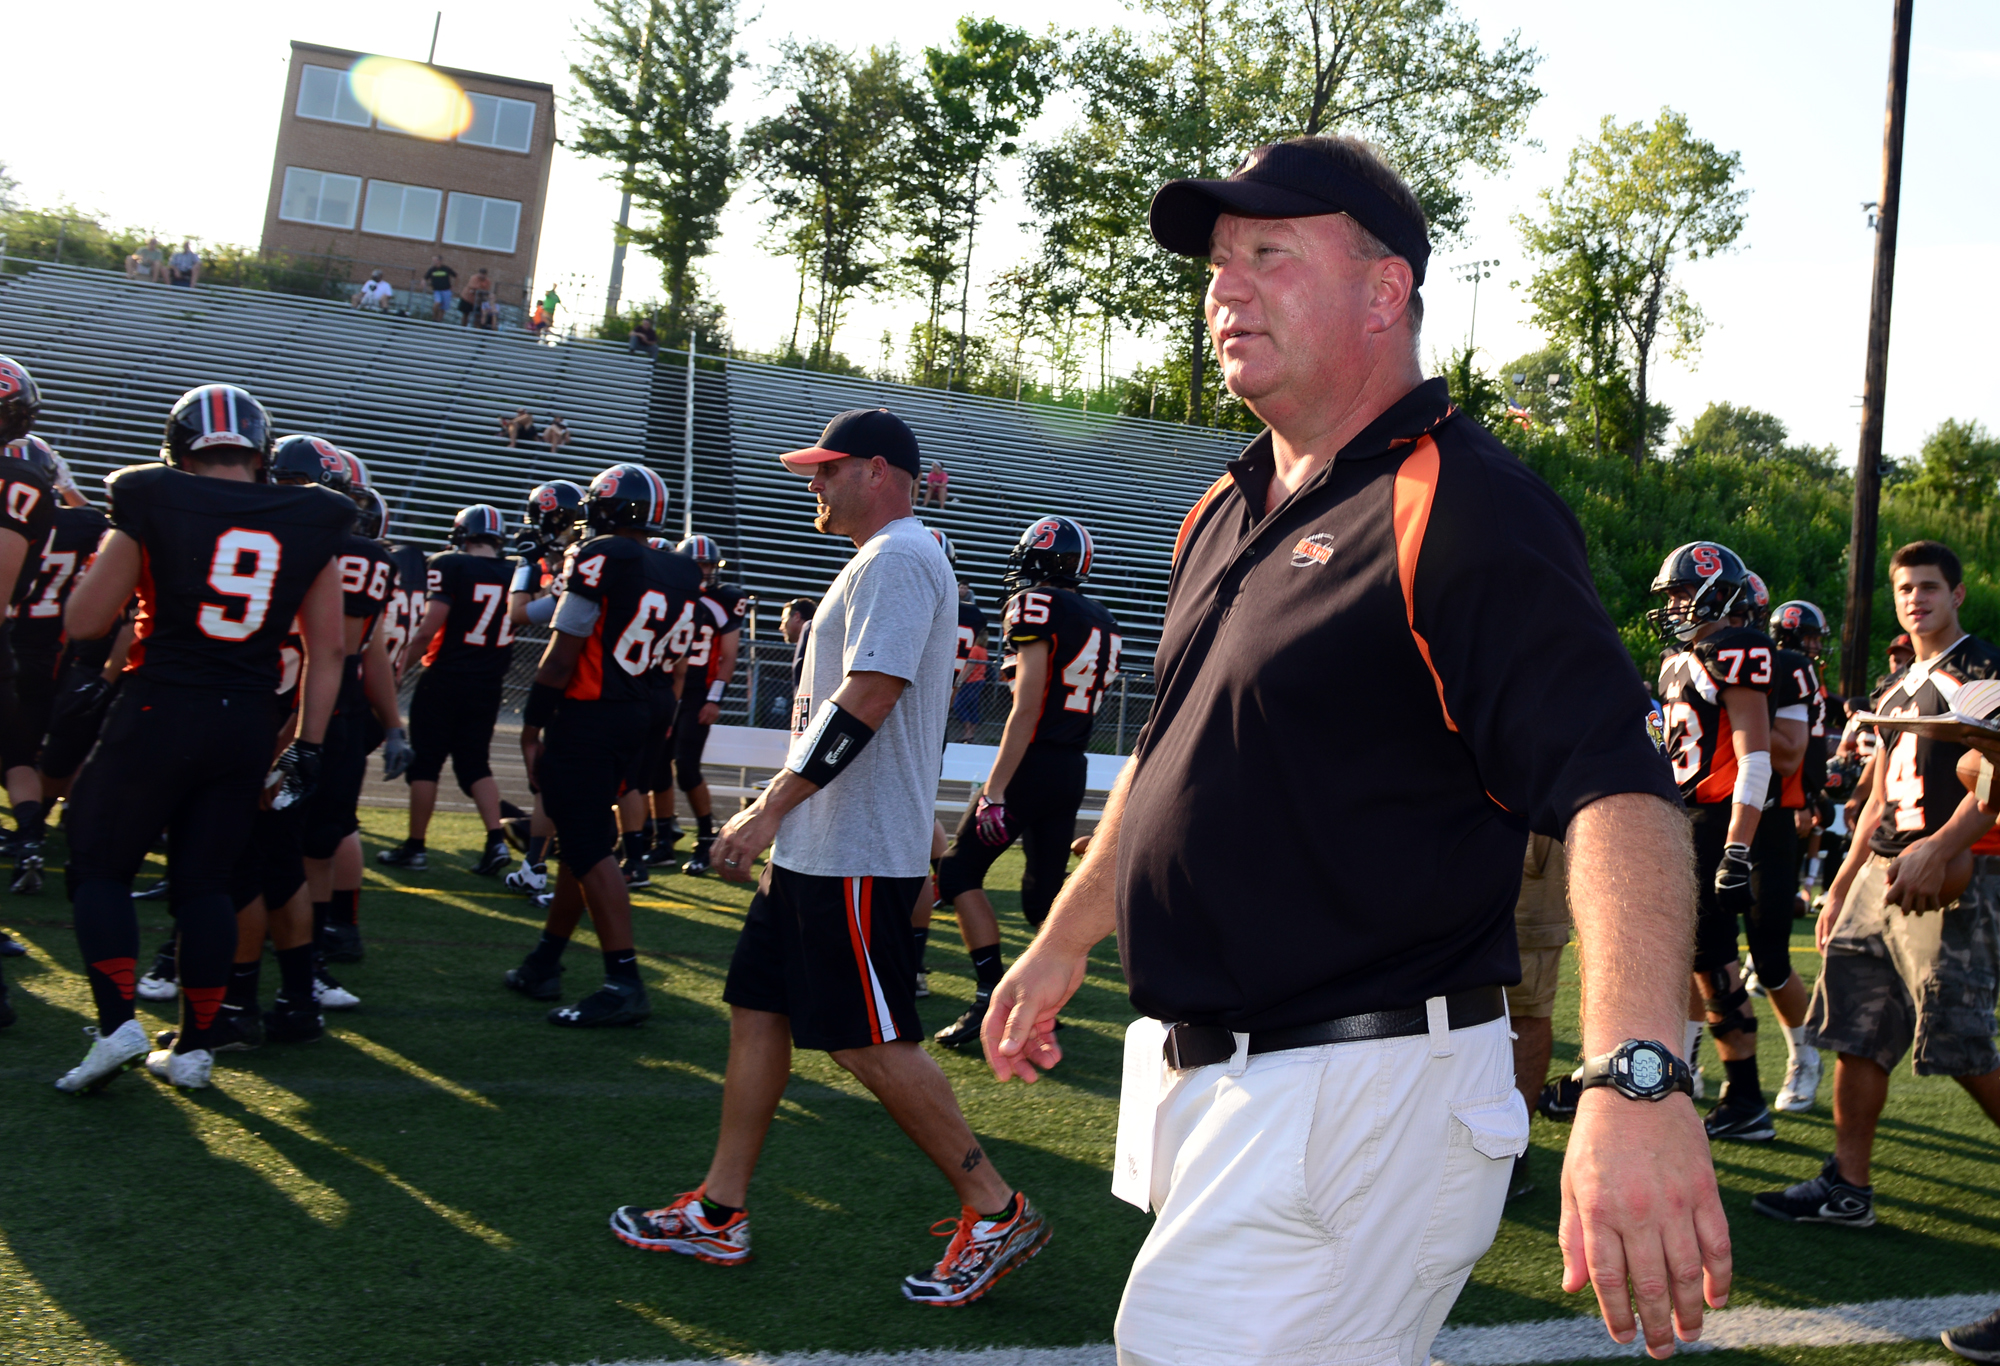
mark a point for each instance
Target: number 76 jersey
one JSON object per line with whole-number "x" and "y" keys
{"x": 226, "y": 566}
{"x": 1700, "y": 739}
{"x": 1083, "y": 658}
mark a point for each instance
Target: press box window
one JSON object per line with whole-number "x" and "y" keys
{"x": 325, "y": 94}
{"x": 496, "y": 122}
{"x": 319, "y": 197}
{"x": 401, "y": 210}
{"x": 473, "y": 221}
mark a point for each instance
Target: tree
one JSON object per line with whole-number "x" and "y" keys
{"x": 1725, "y": 429}
{"x": 1961, "y": 463}
{"x": 1634, "y": 204}
{"x": 7, "y": 187}
{"x": 653, "y": 80}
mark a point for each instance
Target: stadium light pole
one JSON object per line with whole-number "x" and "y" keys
{"x": 1474, "y": 271}
{"x": 687, "y": 449}
{"x": 1854, "y": 628}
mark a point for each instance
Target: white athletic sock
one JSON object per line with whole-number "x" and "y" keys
{"x": 1692, "y": 1053}
{"x": 1795, "y": 1041}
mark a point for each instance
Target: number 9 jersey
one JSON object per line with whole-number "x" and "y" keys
{"x": 226, "y": 565}
{"x": 644, "y": 598}
{"x": 1083, "y": 658}
{"x": 1699, "y": 735}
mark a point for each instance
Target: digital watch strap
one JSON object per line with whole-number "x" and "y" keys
{"x": 1640, "y": 1069}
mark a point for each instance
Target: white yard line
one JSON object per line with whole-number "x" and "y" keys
{"x": 1523, "y": 1344}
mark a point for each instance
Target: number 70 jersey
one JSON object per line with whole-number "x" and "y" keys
{"x": 1700, "y": 742}
{"x": 1083, "y": 658}
{"x": 226, "y": 567}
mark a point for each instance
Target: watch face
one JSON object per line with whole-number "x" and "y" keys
{"x": 1648, "y": 1071}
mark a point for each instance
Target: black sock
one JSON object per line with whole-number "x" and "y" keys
{"x": 538, "y": 850}
{"x": 496, "y": 836}
{"x": 295, "y": 976}
{"x": 344, "y": 906}
{"x": 922, "y": 935}
{"x": 635, "y": 844}
{"x": 414, "y": 842}
{"x": 621, "y": 965}
{"x": 242, "y": 991}
{"x": 650, "y": 830}
{"x": 107, "y": 932}
{"x": 1741, "y": 1076}
{"x": 30, "y": 820}
{"x": 986, "y": 965}
{"x": 1007, "y": 1212}
{"x": 704, "y": 827}
{"x": 718, "y": 1213}
{"x": 548, "y": 950}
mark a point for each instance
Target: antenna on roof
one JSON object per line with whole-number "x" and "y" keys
{"x": 432, "y": 59}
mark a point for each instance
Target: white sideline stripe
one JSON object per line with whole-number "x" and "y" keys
{"x": 1521, "y": 1344}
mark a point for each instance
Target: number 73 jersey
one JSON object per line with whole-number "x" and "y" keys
{"x": 1083, "y": 658}
{"x": 226, "y": 566}
{"x": 1700, "y": 741}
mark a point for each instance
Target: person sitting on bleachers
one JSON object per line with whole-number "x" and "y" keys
{"x": 375, "y": 294}
{"x": 520, "y": 427}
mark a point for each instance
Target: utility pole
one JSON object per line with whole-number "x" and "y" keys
{"x": 687, "y": 449}
{"x": 436, "y": 23}
{"x": 1854, "y": 629}
{"x": 616, "y": 288}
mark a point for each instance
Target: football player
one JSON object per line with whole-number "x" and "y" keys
{"x": 1716, "y": 691}
{"x": 1064, "y": 649}
{"x": 652, "y": 770}
{"x": 620, "y": 603}
{"x": 711, "y": 660}
{"x": 469, "y": 642}
{"x": 223, "y": 563}
{"x": 20, "y": 403}
{"x": 550, "y": 525}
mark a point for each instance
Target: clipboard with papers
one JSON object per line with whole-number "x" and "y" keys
{"x": 1971, "y": 722}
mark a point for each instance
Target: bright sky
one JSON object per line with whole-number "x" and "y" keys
{"x": 1796, "y": 86}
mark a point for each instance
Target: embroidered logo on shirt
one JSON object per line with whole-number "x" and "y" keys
{"x": 1314, "y": 549}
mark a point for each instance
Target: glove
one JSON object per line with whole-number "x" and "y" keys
{"x": 86, "y": 697}
{"x": 1732, "y": 880}
{"x": 396, "y": 754}
{"x": 299, "y": 770}
{"x": 992, "y": 818}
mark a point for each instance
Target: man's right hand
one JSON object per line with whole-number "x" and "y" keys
{"x": 1829, "y": 915}
{"x": 1019, "y": 1033}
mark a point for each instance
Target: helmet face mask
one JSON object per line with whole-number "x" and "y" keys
{"x": 554, "y": 513}
{"x": 1799, "y": 625}
{"x": 1053, "y": 550}
{"x": 705, "y": 551}
{"x": 1704, "y": 582}
{"x": 371, "y": 516}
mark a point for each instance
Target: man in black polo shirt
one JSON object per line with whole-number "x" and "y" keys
{"x": 1383, "y": 663}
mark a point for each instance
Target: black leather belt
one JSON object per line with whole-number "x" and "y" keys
{"x": 1191, "y": 1046}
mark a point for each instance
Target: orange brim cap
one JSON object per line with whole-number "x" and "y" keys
{"x": 801, "y": 462}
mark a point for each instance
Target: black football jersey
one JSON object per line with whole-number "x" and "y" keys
{"x": 408, "y": 593}
{"x": 1083, "y": 658}
{"x": 971, "y": 632}
{"x": 71, "y": 541}
{"x": 1919, "y": 775}
{"x": 27, "y": 508}
{"x": 1698, "y": 729}
{"x": 721, "y": 613}
{"x": 1797, "y": 684}
{"x": 477, "y": 642}
{"x": 226, "y": 567}
{"x": 642, "y": 595}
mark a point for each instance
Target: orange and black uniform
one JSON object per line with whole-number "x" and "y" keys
{"x": 1795, "y": 696}
{"x": 367, "y": 581}
{"x": 225, "y": 567}
{"x": 465, "y": 665}
{"x": 624, "y": 598}
{"x": 27, "y": 508}
{"x": 719, "y": 614}
{"x": 1380, "y": 687}
{"x": 1047, "y": 788}
{"x": 36, "y": 631}
{"x": 406, "y": 603}
{"x": 1919, "y": 775}
{"x": 1701, "y": 744}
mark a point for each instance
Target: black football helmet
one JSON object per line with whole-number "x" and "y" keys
{"x": 705, "y": 551}
{"x": 1717, "y": 586}
{"x": 217, "y": 418}
{"x": 20, "y": 401}
{"x": 357, "y": 474}
{"x": 944, "y": 544}
{"x": 303, "y": 459}
{"x": 371, "y": 516}
{"x": 32, "y": 450}
{"x": 480, "y": 522}
{"x": 1756, "y": 609}
{"x": 627, "y": 498}
{"x": 553, "y": 510}
{"x": 1052, "y": 550}
{"x": 1799, "y": 625}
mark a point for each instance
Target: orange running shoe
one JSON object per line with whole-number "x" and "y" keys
{"x": 981, "y": 1251}
{"x": 683, "y": 1227}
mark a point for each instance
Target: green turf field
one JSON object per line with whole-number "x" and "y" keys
{"x": 430, "y": 1183}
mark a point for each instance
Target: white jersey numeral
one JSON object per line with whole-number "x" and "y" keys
{"x": 226, "y": 576}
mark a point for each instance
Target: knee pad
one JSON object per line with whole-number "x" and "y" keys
{"x": 468, "y": 774}
{"x": 1717, "y": 999}
{"x": 955, "y": 879}
{"x": 688, "y": 777}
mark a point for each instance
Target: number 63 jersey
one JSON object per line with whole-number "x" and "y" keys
{"x": 1920, "y": 786}
{"x": 1083, "y": 658}
{"x": 1700, "y": 741}
{"x": 645, "y": 601}
{"x": 226, "y": 566}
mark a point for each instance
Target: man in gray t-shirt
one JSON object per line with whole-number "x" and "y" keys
{"x": 826, "y": 959}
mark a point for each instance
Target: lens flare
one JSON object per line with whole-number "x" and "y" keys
{"x": 411, "y": 97}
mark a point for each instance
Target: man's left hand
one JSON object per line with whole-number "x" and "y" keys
{"x": 1640, "y": 1209}
{"x": 748, "y": 834}
{"x": 709, "y": 714}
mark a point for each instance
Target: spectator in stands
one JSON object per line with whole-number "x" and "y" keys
{"x": 489, "y": 313}
{"x": 934, "y": 483}
{"x": 475, "y": 293}
{"x": 538, "y": 321}
{"x": 551, "y": 301}
{"x": 645, "y": 338}
{"x": 376, "y": 294}
{"x": 556, "y": 433}
{"x": 184, "y": 267}
{"x": 147, "y": 263}
{"x": 438, "y": 280}
{"x": 520, "y": 427}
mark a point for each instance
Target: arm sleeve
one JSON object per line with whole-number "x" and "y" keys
{"x": 891, "y": 604}
{"x": 1528, "y": 666}
{"x": 575, "y": 616}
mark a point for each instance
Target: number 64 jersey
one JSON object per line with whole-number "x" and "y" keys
{"x": 645, "y": 601}
{"x": 1699, "y": 735}
{"x": 226, "y": 567}
{"x": 1083, "y": 658}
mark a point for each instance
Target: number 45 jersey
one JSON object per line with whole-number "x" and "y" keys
{"x": 1699, "y": 736}
{"x": 1083, "y": 658}
{"x": 644, "y": 598}
{"x": 226, "y": 567}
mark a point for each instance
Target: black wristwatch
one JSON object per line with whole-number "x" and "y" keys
{"x": 1641, "y": 1070}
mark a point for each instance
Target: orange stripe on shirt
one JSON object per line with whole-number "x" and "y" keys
{"x": 1416, "y": 488}
{"x": 1194, "y": 515}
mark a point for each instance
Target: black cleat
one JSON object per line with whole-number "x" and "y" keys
{"x": 341, "y": 944}
{"x": 1521, "y": 1182}
{"x": 10, "y": 947}
{"x": 496, "y": 861}
{"x": 964, "y": 1031}
{"x": 614, "y": 1003}
{"x": 1826, "y": 1199}
{"x": 285, "y": 1023}
{"x": 535, "y": 983}
{"x": 156, "y": 892}
{"x": 27, "y": 868}
{"x": 515, "y": 828}
{"x": 404, "y": 855}
{"x": 662, "y": 851}
{"x": 236, "y": 1030}
{"x": 1734, "y": 1122}
{"x": 1559, "y": 1098}
{"x": 697, "y": 863}
{"x": 637, "y": 873}
{"x": 1975, "y": 1341}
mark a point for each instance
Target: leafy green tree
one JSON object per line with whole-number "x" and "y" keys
{"x": 649, "y": 92}
{"x": 1725, "y": 429}
{"x": 1961, "y": 463}
{"x": 1635, "y": 203}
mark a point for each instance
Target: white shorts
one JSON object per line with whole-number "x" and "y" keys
{"x": 1323, "y": 1205}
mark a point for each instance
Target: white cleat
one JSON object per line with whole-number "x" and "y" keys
{"x": 190, "y": 1070}
{"x": 529, "y": 878}
{"x": 1752, "y": 985}
{"x": 1801, "y": 1088}
{"x": 151, "y": 988}
{"x": 331, "y": 995}
{"x": 1700, "y": 1085}
{"x": 108, "y": 1056}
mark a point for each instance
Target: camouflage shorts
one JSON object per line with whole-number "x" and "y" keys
{"x": 1893, "y": 981}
